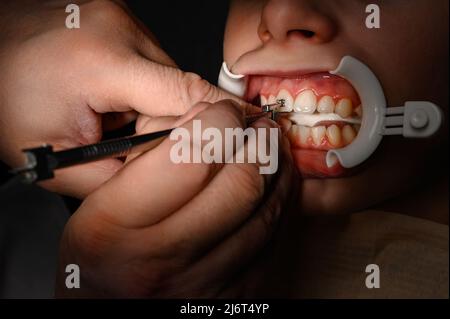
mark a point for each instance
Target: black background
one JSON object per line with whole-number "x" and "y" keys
{"x": 191, "y": 32}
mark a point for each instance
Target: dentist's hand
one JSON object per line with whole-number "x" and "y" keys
{"x": 66, "y": 86}
{"x": 159, "y": 229}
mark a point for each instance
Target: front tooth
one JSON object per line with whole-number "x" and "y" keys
{"x": 344, "y": 108}
{"x": 348, "y": 134}
{"x": 305, "y": 133}
{"x": 272, "y": 99}
{"x": 306, "y": 102}
{"x": 318, "y": 133}
{"x": 288, "y": 100}
{"x": 326, "y": 105}
{"x": 263, "y": 100}
{"x": 334, "y": 135}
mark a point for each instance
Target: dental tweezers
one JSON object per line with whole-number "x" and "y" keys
{"x": 41, "y": 162}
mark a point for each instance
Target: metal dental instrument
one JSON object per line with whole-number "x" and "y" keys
{"x": 41, "y": 162}
{"x": 270, "y": 110}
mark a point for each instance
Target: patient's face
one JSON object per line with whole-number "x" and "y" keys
{"x": 287, "y": 47}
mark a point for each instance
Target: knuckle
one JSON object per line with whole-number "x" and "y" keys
{"x": 200, "y": 107}
{"x": 109, "y": 17}
{"x": 104, "y": 11}
{"x": 197, "y": 89}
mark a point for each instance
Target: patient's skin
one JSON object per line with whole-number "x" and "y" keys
{"x": 409, "y": 56}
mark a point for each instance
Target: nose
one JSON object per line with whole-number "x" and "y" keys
{"x": 295, "y": 20}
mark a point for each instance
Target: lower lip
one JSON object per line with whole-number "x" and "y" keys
{"x": 312, "y": 164}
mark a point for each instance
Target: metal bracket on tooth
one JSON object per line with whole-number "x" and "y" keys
{"x": 273, "y": 108}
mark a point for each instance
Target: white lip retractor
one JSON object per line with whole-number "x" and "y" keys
{"x": 416, "y": 119}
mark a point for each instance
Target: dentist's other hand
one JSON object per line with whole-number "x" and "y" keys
{"x": 159, "y": 229}
{"x": 66, "y": 86}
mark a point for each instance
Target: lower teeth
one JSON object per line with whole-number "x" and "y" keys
{"x": 334, "y": 135}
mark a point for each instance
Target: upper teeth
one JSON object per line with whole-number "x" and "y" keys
{"x": 326, "y": 105}
{"x": 344, "y": 108}
{"x": 307, "y": 103}
{"x": 288, "y": 101}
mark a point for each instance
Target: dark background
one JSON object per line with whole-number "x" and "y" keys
{"x": 191, "y": 32}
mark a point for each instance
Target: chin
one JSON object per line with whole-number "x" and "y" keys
{"x": 327, "y": 197}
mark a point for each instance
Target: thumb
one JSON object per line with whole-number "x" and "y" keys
{"x": 156, "y": 89}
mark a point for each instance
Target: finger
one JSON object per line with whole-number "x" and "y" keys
{"x": 154, "y": 89}
{"x": 155, "y": 181}
{"x": 146, "y": 124}
{"x": 228, "y": 200}
{"x": 80, "y": 181}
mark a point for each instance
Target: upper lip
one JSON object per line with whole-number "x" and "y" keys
{"x": 282, "y": 64}
{"x": 279, "y": 63}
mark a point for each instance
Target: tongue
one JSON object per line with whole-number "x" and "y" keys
{"x": 311, "y": 163}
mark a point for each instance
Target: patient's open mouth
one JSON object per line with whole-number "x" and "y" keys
{"x": 321, "y": 112}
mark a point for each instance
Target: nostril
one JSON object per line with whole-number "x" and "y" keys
{"x": 307, "y": 34}
{"x": 303, "y": 33}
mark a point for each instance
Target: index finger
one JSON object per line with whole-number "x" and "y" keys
{"x": 155, "y": 89}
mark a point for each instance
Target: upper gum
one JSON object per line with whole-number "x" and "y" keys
{"x": 321, "y": 84}
{"x": 319, "y": 97}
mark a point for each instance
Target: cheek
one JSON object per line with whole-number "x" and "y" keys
{"x": 409, "y": 55}
{"x": 241, "y": 33}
